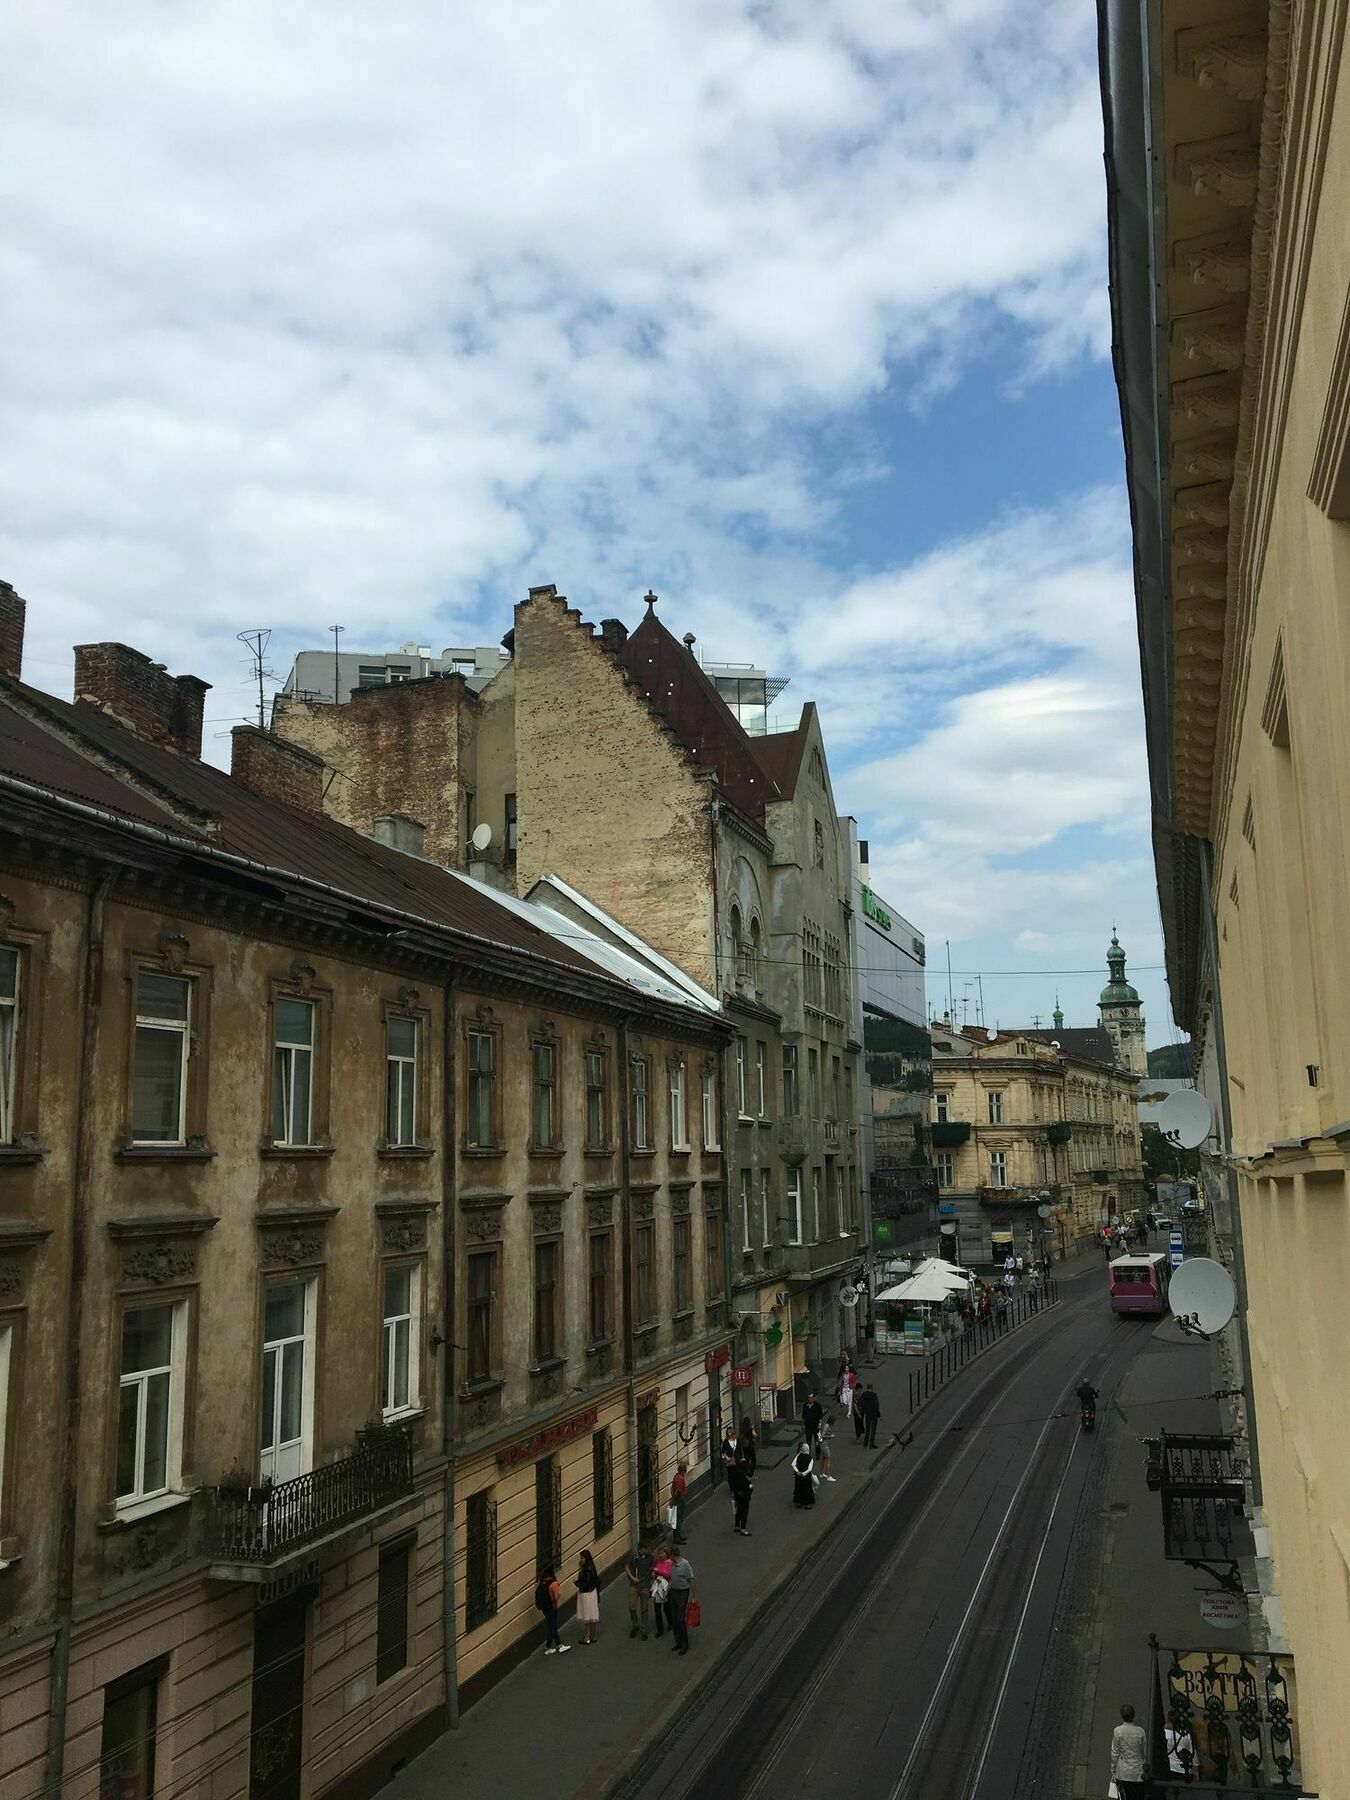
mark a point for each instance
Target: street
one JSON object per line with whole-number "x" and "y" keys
{"x": 918, "y": 1647}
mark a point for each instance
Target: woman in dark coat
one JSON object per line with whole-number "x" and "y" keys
{"x": 803, "y": 1477}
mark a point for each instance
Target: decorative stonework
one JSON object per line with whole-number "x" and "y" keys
{"x": 1208, "y": 400}
{"x": 644, "y": 1205}
{"x": 286, "y": 1248}
{"x": 600, "y": 1359}
{"x": 302, "y": 975}
{"x": 1215, "y": 56}
{"x": 11, "y": 1275}
{"x": 408, "y": 996}
{"x": 600, "y": 1212}
{"x": 484, "y": 1225}
{"x": 7, "y": 913}
{"x": 1204, "y": 458}
{"x": 173, "y": 949}
{"x": 408, "y": 1233}
{"x": 157, "y": 1263}
{"x": 684, "y": 1328}
{"x": 484, "y": 1014}
{"x": 1204, "y": 504}
{"x": 546, "y": 1384}
{"x": 546, "y": 1220}
{"x": 1226, "y": 168}
{"x": 679, "y": 1201}
{"x": 1219, "y": 262}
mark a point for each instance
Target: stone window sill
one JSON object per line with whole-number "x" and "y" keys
{"x": 405, "y": 1152}
{"x": 636, "y": 1155}
{"x": 477, "y": 1390}
{"x": 548, "y": 1365}
{"x": 545, "y": 1150}
{"x": 17, "y": 1156}
{"x": 403, "y": 1415}
{"x": 597, "y": 1345}
{"x": 170, "y": 1153}
{"x": 145, "y": 1509}
{"x": 296, "y": 1152}
{"x": 483, "y": 1150}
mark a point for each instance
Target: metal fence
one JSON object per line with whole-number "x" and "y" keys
{"x": 1229, "y": 1718}
{"x": 943, "y": 1363}
{"x": 257, "y": 1524}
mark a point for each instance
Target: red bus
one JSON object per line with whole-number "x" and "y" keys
{"x": 1138, "y": 1284}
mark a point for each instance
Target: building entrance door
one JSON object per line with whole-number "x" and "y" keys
{"x": 650, "y": 1513}
{"x": 278, "y": 1699}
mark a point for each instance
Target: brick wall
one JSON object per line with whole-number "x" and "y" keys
{"x": 268, "y": 765}
{"x": 12, "y": 610}
{"x": 142, "y": 695}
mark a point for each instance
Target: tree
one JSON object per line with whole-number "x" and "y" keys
{"x": 1170, "y": 1060}
{"x": 1164, "y": 1161}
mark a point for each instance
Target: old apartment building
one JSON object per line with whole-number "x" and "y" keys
{"x": 611, "y": 761}
{"x": 1228, "y": 155}
{"x": 363, "y": 1246}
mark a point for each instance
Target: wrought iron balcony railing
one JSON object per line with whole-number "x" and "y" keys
{"x": 1233, "y": 1716}
{"x": 261, "y": 1524}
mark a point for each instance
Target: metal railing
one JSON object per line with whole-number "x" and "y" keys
{"x": 1233, "y": 1719}
{"x": 943, "y": 1363}
{"x": 259, "y": 1524}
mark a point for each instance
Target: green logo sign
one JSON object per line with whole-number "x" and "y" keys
{"x": 875, "y": 910}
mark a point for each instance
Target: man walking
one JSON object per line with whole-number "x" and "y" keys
{"x": 741, "y": 1489}
{"x": 869, "y": 1405}
{"x": 1128, "y": 1747}
{"x": 638, "y": 1569}
{"x": 681, "y": 1581}
{"x": 812, "y": 1414}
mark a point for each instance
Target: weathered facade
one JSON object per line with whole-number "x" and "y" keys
{"x": 325, "y": 1199}
{"x": 1228, "y": 151}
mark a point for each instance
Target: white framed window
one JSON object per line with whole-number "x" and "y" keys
{"x": 9, "y": 1037}
{"x": 942, "y": 1108}
{"x": 150, "y": 1402}
{"x": 946, "y": 1168}
{"x": 159, "y": 1075}
{"x": 679, "y": 1112}
{"x": 745, "y": 1209}
{"x": 761, "y": 1080}
{"x": 998, "y": 1168}
{"x": 641, "y": 1120}
{"x": 287, "y": 1435}
{"x": 742, "y": 1078}
{"x": 711, "y": 1134}
{"x": 765, "y": 1208}
{"x": 399, "y": 1363}
{"x": 293, "y": 1072}
{"x": 995, "y": 1100}
{"x": 841, "y": 1211}
{"x": 794, "y": 1205}
{"x": 815, "y": 1206}
{"x": 400, "y": 1080}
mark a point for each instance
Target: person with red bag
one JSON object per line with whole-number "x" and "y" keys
{"x": 681, "y": 1593}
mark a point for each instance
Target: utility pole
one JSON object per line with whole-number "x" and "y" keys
{"x": 951, "y": 1004}
{"x": 256, "y": 644}
{"x": 337, "y": 631}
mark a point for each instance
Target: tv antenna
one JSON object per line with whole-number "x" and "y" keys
{"x": 337, "y": 631}
{"x": 255, "y": 642}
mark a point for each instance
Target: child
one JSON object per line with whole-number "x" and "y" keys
{"x": 546, "y": 1599}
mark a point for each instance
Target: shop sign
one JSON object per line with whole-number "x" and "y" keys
{"x": 743, "y": 1375}
{"x": 946, "y": 1209}
{"x": 1226, "y": 1612}
{"x": 716, "y": 1358}
{"x": 875, "y": 910}
{"x": 549, "y": 1439}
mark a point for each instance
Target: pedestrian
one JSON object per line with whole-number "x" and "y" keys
{"x": 1009, "y": 1267}
{"x": 812, "y": 1414}
{"x": 1128, "y": 1744}
{"x": 1034, "y": 1290}
{"x": 742, "y": 1487}
{"x": 662, "y": 1563}
{"x": 804, "y": 1476}
{"x": 826, "y": 1453}
{"x": 1180, "y": 1747}
{"x": 730, "y": 1451}
{"x": 748, "y": 1447}
{"x": 546, "y": 1601}
{"x": 870, "y": 1407}
{"x": 679, "y": 1487}
{"x": 846, "y": 1390}
{"x": 638, "y": 1570}
{"x": 681, "y": 1591}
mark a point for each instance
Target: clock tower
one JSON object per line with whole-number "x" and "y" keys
{"x": 1121, "y": 1014}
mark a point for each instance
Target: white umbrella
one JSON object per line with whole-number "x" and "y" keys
{"x": 928, "y": 1288}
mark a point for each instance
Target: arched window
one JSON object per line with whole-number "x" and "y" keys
{"x": 752, "y": 958}
{"x": 737, "y": 950}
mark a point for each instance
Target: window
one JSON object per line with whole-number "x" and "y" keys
{"x": 287, "y": 1380}
{"x": 839, "y": 1212}
{"x": 126, "y": 1761}
{"x": 548, "y": 1514}
{"x": 643, "y": 1298}
{"x": 946, "y": 1168}
{"x": 815, "y": 1206}
{"x": 765, "y": 1210}
{"x": 742, "y": 1078}
{"x": 745, "y": 1209}
{"x": 601, "y": 1287}
{"x": 293, "y": 1072}
{"x": 544, "y": 1105}
{"x": 642, "y": 1139}
{"x": 794, "y": 1205}
{"x": 679, "y": 1112}
{"x": 602, "y": 1482}
{"x": 482, "y": 1282}
{"x": 789, "y": 1079}
{"x": 711, "y": 1135}
{"x": 399, "y": 672}
{"x": 818, "y": 837}
{"x": 682, "y": 1241}
{"x": 597, "y": 1100}
{"x": 149, "y": 1403}
{"x": 737, "y": 950}
{"x": 391, "y": 1625}
{"x": 400, "y": 1087}
{"x": 160, "y": 1059}
{"x": 834, "y": 1087}
{"x": 399, "y": 1385}
{"x": 480, "y": 1558}
{"x": 9, "y": 1038}
{"x": 995, "y": 1099}
{"x": 512, "y": 832}
{"x": 752, "y": 955}
{"x": 481, "y": 1128}
{"x": 812, "y": 992}
{"x": 942, "y": 1108}
{"x": 6, "y": 1357}
{"x": 370, "y": 675}
{"x": 761, "y": 1080}
{"x": 813, "y": 1079}
{"x": 998, "y": 1168}
{"x": 714, "y": 1286}
{"x": 546, "y": 1260}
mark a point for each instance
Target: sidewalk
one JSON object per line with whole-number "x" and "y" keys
{"x": 566, "y": 1725}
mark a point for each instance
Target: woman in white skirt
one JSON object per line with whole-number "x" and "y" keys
{"x": 588, "y": 1597}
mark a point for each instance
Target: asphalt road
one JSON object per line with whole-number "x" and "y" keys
{"x": 918, "y": 1652}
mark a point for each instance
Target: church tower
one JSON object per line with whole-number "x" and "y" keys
{"x": 1121, "y": 1014}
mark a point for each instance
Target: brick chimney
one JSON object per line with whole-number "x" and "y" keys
{"x": 12, "y": 610}
{"x": 142, "y": 695}
{"x": 276, "y": 769}
{"x": 401, "y": 832}
{"x": 613, "y": 635}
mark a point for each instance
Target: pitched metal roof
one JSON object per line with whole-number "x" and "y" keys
{"x": 780, "y": 753}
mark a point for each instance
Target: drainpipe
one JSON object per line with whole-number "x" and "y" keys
{"x": 449, "y": 1647}
{"x": 91, "y": 1011}
{"x": 1230, "y": 1174}
{"x": 621, "y": 1088}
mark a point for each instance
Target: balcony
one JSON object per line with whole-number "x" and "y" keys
{"x": 830, "y": 1128}
{"x": 823, "y": 1258}
{"x": 949, "y": 1134}
{"x": 251, "y": 1531}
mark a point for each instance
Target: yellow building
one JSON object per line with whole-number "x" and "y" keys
{"x": 1228, "y": 155}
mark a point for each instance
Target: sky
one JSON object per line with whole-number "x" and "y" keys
{"x": 794, "y": 311}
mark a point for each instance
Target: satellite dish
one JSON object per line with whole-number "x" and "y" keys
{"x": 1202, "y": 1296}
{"x": 1054, "y": 1043}
{"x": 1185, "y": 1119}
{"x": 992, "y": 1033}
{"x": 482, "y": 837}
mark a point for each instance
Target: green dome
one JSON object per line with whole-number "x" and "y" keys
{"x": 1117, "y": 991}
